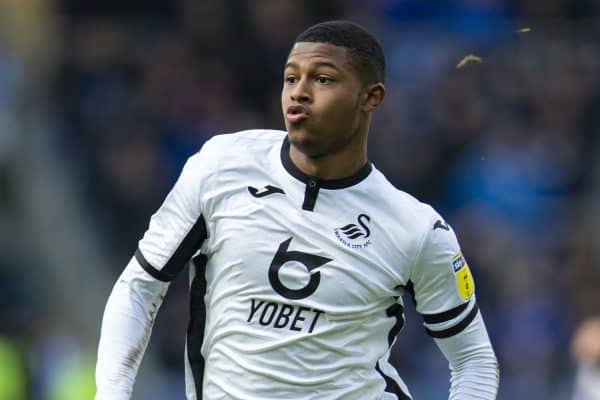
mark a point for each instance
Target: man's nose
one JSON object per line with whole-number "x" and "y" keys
{"x": 301, "y": 92}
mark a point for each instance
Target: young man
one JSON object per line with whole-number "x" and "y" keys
{"x": 301, "y": 251}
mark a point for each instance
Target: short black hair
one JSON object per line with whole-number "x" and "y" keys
{"x": 364, "y": 50}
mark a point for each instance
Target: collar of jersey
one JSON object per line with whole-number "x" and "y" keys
{"x": 342, "y": 183}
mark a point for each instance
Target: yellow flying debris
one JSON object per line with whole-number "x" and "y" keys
{"x": 467, "y": 59}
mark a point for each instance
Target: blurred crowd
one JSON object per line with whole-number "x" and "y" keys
{"x": 507, "y": 149}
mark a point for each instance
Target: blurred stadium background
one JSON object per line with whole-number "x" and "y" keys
{"x": 102, "y": 101}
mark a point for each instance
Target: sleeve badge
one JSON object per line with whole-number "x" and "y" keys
{"x": 464, "y": 280}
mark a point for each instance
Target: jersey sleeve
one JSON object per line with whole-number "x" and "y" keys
{"x": 177, "y": 230}
{"x": 474, "y": 370}
{"x": 126, "y": 327}
{"x": 444, "y": 293}
{"x": 442, "y": 284}
{"x": 175, "y": 233}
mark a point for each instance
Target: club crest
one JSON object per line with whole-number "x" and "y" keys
{"x": 355, "y": 235}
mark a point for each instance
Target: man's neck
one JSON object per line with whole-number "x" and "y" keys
{"x": 341, "y": 164}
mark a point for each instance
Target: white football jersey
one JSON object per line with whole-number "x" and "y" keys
{"x": 296, "y": 282}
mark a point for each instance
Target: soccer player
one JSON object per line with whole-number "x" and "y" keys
{"x": 300, "y": 252}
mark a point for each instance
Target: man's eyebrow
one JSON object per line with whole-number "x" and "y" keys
{"x": 291, "y": 64}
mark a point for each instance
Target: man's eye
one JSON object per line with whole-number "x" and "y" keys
{"x": 324, "y": 80}
{"x": 290, "y": 79}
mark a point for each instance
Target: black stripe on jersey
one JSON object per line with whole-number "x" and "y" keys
{"x": 391, "y": 386}
{"x": 395, "y": 310}
{"x": 195, "y": 332}
{"x": 311, "y": 192}
{"x": 410, "y": 289}
{"x": 155, "y": 273}
{"x": 188, "y": 246}
{"x": 456, "y": 328}
{"x": 444, "y": 316}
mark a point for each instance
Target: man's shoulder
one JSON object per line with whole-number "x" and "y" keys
{"x": 247, "y": 140}
{"x": 402, "y": 204}
{"x": 233, "y": 150}
{"x": 236, "y": 148}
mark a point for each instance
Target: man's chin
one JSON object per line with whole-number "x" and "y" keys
{"x": 304, "y": 143}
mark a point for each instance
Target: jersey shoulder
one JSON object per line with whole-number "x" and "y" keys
{"x": 245, "y": 142}
{"x": 404, "y": 206}
{"x": 236, "y": 149}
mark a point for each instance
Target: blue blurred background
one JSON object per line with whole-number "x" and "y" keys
{"x": 101, "y": 102}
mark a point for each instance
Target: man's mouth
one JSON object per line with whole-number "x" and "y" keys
{"x": 297, "y": 113}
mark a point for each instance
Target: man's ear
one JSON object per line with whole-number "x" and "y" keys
{"x": 372, "y": 96}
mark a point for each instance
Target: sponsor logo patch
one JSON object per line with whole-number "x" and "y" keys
{"x": 464, "y": 280}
